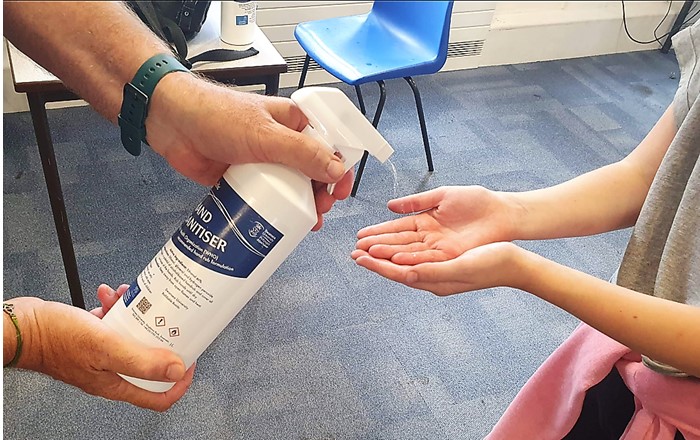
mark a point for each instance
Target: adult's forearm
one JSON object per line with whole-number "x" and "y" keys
{"x": 602, "y": 200}
{"x": 93, "y": 47}
{"x": 663, "y": 330}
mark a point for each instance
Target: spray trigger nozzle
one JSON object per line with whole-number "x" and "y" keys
{"x": 337, "y": 123}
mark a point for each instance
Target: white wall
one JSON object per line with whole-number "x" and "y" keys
{"x": 482, "y": 33}
{"x": 538, "y": 31}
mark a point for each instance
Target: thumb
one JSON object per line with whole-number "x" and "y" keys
{"x": 135, "y": 359}
{"x": 416, "y": 202}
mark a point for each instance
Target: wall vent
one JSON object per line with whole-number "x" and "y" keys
{"x": 295, "y": 64}
{"x": 465, "y": 48}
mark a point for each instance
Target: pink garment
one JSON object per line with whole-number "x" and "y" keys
{"x": 550, "y": 403}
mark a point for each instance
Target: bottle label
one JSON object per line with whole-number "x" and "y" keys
{"x": 246, "y": 14}
{"x": 225, "y": 234}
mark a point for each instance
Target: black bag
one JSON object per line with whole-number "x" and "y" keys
{"x": 177, "y": 22}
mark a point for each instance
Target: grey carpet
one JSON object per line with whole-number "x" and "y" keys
{"x": 328, "y": 350}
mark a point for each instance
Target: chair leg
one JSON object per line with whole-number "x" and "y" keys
{"x": 360, "y": 100}
{"x": 375, "y": 122}
{"x": 421, "y": 119}
{"x": 380, "y": 104}
{"x": 302, "y": 78}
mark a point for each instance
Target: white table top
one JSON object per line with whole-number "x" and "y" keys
{"x": 26, "y": 73}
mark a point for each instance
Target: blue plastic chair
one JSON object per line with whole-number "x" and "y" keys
{"x": 396, "y": 39}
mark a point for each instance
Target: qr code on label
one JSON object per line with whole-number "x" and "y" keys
{"x": 143, "y": 305}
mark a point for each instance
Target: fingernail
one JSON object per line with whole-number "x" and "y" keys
{"x": 335, "y": 169}
{"x": 175, "y": 372}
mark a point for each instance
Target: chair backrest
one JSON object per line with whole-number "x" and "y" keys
{"x": 426, "y": 21}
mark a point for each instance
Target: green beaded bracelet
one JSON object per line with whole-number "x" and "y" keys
{"x": 9, "y": 308}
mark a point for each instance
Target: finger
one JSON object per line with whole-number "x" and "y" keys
{"x": 417, "y": 202}
{"x": 303, "y": 152}
{"x": 401, "y": 274}
{"x": 319, "y": 222}
{"x": 398, "y": 225}
{"x": 398, "y": 238}
{"x": 112, "y": 300}
{"x": 344, "y": 186}
{"x": 415, "y": 258}
{"x": 314, "y": 159}
{"x": 287, "y": 113}
{"x": 106, "y": 294}
{"x": 180, "y": 388}
{"x": 387, "y": 252}
{"x": 107, "y": 297}
{"x": 325, "y": 201}
{"x": 357, "y": 253}
{"x": 128, "y": 392}
{"x": 121, "y": 290}
{"x": 136, "y": 360}
{"x": 428, "y": 276}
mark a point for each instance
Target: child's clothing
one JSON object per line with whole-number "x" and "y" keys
{"x": 662, "y": 259}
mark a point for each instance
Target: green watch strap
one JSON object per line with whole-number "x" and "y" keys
{"x": 137, "y": 96}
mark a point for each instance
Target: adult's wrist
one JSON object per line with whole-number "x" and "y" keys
{"x": 31, "y": 354}
{"x": 174, "y": 98}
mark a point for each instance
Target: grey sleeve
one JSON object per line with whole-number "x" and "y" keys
{"x": 686, "y": 45}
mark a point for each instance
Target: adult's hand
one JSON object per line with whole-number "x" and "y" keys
{"x": 75, "y": 347}
{"x": 201, "y": 128}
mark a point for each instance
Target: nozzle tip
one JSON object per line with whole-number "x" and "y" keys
{"x": 383, "y": 152}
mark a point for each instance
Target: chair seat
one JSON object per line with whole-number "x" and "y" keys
{"x": 347, "y": 48}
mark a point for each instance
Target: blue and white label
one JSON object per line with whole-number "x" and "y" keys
{"x": 241, "y": 20}
{"x": 225, "y": 234}
{"x": 131, "y": 293}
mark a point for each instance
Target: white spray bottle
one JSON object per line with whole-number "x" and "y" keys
{"x": 247, "y": 225}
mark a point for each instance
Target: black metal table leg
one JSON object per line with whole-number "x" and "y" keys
{"x": 272, "y": 85}
{"x": 37, "y": 107}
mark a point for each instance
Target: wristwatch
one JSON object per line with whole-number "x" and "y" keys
{"x": 137, "y": 96}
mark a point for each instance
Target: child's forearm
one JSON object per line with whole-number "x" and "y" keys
{"x": 664, "y": 330}
{"x": 602, "y": 200}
